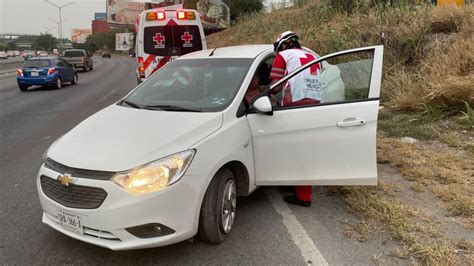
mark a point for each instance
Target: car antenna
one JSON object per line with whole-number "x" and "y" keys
{"x": 212, "y": 53}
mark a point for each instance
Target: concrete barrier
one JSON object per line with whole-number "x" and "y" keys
{"x": 10, "y": 66}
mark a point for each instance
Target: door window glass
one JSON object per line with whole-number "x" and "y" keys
{"x": 340, "y": 79}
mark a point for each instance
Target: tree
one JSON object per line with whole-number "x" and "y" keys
{"x": 240, "y": 7}
{"x": 44, "y": 42}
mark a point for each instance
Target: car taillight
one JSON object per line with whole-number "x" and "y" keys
{"x": 189, "y": 15}
{"x": 141, "y": 67}
{"x": 51, "y": 71}
{"x": 20, "y": 72}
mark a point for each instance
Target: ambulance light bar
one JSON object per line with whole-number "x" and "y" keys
{"x": 160, "y": 15}
{"x": 188, "y": 15}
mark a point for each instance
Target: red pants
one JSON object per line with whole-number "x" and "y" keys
{"x": 304, "y": 193}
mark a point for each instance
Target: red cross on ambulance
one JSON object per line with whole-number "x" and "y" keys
{"x": 158, "y": 38}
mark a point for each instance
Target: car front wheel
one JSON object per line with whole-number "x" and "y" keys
{"x": 218, "y": 208}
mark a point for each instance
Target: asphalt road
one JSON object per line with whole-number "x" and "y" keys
{"x": 266, "y": 230}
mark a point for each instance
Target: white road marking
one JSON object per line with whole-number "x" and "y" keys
{"x": 300, "y": 237}
{"x": 107, "y": 95}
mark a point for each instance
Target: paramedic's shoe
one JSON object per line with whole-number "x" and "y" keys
{"x": 294, "y": 200}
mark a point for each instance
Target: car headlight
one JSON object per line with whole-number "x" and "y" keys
{"x": 155, "y": 175}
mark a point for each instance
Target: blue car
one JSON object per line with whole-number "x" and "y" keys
{"x": 46, "y": 71}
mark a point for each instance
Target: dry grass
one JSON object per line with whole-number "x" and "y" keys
{"x": 404, "y": 224}
{"x": 448, "y": 173}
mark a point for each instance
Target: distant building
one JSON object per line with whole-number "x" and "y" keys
{"x": 270, "y": 5}
{"x": 100, "y": 15}
{"x": 100, "y": 25}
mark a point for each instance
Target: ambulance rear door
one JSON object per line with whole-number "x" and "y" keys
{"x": 166, "y": 35}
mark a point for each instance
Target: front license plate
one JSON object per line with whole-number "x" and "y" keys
{"x": 34, "y": 74}
{"x": 70, "y": 221}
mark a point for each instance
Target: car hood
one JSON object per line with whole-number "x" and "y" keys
{"x": 119, "y": 138}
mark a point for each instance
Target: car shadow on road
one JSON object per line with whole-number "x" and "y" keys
{"x": 46, "y": 88}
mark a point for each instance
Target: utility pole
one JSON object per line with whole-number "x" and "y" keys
{"x": 60, "y": 19}
{"x": 59, "y": 32}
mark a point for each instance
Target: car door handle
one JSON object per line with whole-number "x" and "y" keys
{"x": 351, "y": 122}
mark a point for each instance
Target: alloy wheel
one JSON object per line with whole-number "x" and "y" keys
{"x": 229, "y": 202}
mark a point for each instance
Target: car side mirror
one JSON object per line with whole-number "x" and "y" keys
{"x": 263, "y": 105}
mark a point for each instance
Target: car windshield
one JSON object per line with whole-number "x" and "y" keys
{"x": 37, "y": 63}
{"x": 203, "y": 85}
{"x": 73, "y": 53}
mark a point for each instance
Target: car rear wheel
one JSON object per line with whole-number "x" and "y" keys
{"x": 59, "y": 83}
{"x": 74, "y": 80}
{"x": 218, "y": 208}
{"x": 91, "y": 68}
{"x": 23, "y": 87}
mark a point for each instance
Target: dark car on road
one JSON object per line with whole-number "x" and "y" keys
{"x": 79, "y": 58}
{"x": 106, "y": 54}
{"x": 46, "y": 71}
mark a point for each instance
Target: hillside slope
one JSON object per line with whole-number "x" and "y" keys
{"x": 428, "y": 57}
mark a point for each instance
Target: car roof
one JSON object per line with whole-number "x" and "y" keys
{"x": 241, "y": 51}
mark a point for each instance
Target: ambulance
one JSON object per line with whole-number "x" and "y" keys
{"x": 163, "y": 35}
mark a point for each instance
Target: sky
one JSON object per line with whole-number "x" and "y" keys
{"x": 32, "y": 16}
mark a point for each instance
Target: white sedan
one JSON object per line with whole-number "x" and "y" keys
{"x": 168, "y": 161}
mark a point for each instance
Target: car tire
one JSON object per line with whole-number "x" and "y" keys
{"x": 91, "y": 68}
{"x": 74, "y": 80}
{"x": 59, "y": 83}
{"x": 85, "y": 69}
{"x": 218, "y": 208}
{"x": 23, "y": 87}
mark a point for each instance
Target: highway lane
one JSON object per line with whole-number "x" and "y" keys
{"x": 264, "y": 230}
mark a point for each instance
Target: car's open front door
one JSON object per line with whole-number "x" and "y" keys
{"x": 330, "y": 143}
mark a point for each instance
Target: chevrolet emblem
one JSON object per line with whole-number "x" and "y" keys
{"x": 65, "y": 179}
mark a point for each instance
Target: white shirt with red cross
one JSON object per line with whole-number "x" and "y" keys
{"x": 306, "y": 84}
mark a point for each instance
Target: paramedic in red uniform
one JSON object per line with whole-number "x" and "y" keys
{"x": 290, "y": 56}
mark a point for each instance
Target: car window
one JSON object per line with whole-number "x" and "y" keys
{"x": 202, "y": 84}
{"x": 172, "y": 40}
{"x": 74, "y": 54}
{"x": 38, "y": 63}
{"x": 340, "y": 79}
